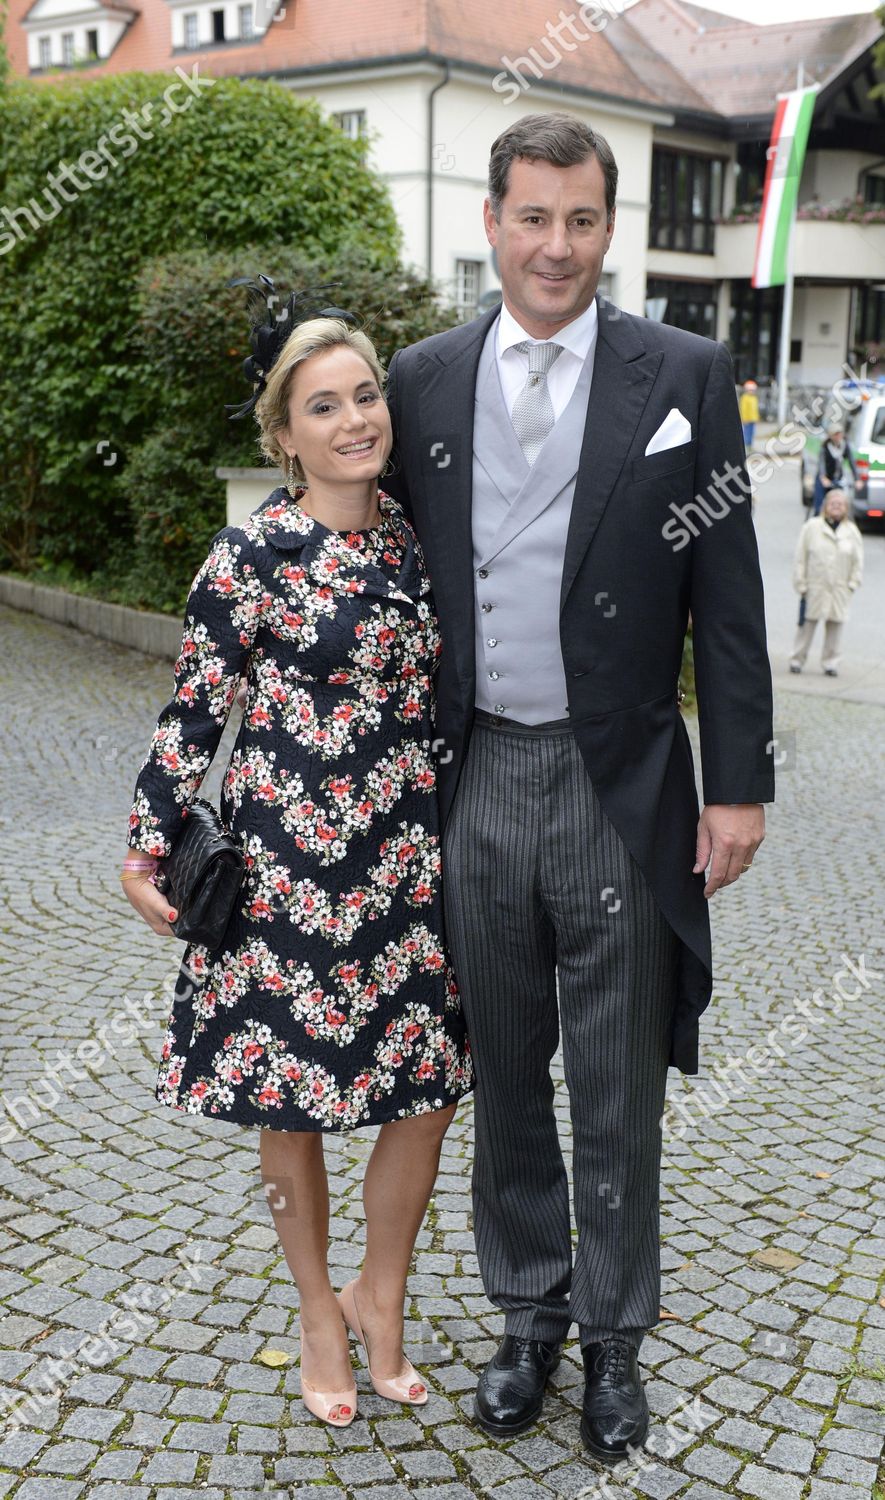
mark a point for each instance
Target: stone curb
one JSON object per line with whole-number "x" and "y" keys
{"x": 140, "y": 630}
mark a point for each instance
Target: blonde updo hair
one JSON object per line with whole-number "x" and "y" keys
{"x": 315, "y": 336}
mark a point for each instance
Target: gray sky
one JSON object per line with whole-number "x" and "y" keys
{"x": 760, "y": 11}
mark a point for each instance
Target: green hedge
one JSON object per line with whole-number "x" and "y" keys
{"x": 120, "y": 341}
{"x": 193, "y": 336}
{"x": 686, "y": 673}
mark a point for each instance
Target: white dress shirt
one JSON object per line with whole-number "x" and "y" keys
{"x": 578, "y": 340}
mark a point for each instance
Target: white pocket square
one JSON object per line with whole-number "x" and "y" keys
{"x": 674, "y": 429}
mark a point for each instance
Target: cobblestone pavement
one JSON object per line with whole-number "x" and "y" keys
{"x": 140, "y": 1271}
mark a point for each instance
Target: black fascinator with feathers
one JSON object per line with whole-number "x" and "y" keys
{"x": 273, "y": 319}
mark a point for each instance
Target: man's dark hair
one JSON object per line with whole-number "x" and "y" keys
{"x": 557, "y": 138}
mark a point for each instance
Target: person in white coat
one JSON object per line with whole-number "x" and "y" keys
{"x": 828, "y": 569}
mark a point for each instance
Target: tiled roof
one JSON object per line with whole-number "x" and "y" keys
{"x": 303, "y": 37}
{"x": 659, "y": 52}
{"x": 363, "y": 30}
{"x": 738, "y": 68}
{"x": 487, "y": 34}
{"x": 628, "y": 37}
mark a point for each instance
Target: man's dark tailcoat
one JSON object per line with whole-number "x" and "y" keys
{"x": 651, "y": 539}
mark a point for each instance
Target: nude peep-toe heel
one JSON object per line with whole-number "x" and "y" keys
{"x": 322, "y": 1403}
{"x": 399, "y": 1387}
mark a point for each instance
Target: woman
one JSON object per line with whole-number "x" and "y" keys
{"x": 835, "y": 465}
{"x": 827, "y": 571}
{"x": 330, "y": 1004}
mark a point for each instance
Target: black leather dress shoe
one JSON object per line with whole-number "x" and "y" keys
{"x": 510, "y": 1393}
{"x": 615, "y": 1416}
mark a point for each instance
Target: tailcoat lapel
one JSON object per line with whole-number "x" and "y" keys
{"x": 623, "y": 377}
{"x": 447, "y": 380}
{"x": 446, "y": 387}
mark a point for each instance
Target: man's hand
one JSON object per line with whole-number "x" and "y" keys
{"x": 731, "y": 834}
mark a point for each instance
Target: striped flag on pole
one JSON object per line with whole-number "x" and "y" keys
{"x": 786, "y": 153}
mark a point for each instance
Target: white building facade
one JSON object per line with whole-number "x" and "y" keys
{"x": 685, "y": 98}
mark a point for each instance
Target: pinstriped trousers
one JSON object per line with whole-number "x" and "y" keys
{"x": 538, "y": 886}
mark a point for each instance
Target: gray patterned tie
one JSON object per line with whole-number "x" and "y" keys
{"x": 532, "y": 413}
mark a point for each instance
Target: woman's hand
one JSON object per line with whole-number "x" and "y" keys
{"x": 150, "y": 905}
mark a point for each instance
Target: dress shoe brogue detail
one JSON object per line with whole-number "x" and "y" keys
{"x": 615, "y": 1416}
{"x": 510, "y": 1392}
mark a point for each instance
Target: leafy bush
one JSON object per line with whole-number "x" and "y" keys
{"x": 686, "y": 673}
{"x": 193, "y": 337}
{"x": 115, "y": 323}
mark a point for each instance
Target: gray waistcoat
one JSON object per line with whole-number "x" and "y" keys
{"x": 520, "y": 524}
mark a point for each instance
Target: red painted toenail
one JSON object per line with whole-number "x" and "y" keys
{"x": 344, "y": 1411}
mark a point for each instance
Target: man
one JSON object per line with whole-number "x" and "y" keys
{"x": 561, "y": 460}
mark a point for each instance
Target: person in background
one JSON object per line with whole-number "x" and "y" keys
{"x": 827, "y": 571}
{"x": 749, "y": 410}
{"x": 834, "y": 466}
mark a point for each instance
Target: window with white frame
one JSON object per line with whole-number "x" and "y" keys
{"x": 468, "y": 276}
{"x": 247, "y": 28}
{"x": 351, "y": 121}
{"x": 191, "y": 29}
{"x": 55, "y": 37}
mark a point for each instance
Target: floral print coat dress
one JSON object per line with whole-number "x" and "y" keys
{"x": 330, "y": 1002}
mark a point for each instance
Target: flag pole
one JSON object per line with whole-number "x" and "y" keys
{"x": 783, "y": 361}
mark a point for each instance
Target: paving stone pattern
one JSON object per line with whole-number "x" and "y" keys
{"x": 140, "y": 1271}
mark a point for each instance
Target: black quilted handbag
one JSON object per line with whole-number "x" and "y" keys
{"x": 202, "y": 876}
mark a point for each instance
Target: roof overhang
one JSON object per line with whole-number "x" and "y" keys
{"x": 466, "y": 72}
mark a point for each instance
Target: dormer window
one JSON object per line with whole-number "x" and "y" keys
{"x": 209, "y": 23}
{"x": 62, "y": 33}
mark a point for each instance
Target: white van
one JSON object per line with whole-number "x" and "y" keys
{"x": 865, "y": 431}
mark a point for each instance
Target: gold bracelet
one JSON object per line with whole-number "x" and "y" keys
{"x": 142, "y": 875}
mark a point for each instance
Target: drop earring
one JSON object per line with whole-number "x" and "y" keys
{"x": 293, "y": 483}
{"x": 389, "y": 466}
